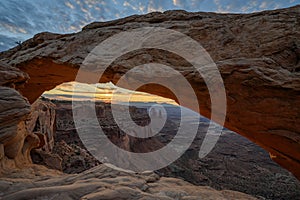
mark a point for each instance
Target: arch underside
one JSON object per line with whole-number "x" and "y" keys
{"x": 258, "y": 56}
{"x": 265, "y": 115}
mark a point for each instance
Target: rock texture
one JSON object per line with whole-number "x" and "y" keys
{"x": 23, "y": 127}
{"x": 69, "y": 147}
{"x": 106, "y": 183}
{"x": 41, "y": 122}
{"x": 234, "y": 164}
{"x": 257, "y": 54}
{"x": 15, "y": 141}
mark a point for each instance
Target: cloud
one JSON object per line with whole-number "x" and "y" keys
{"x": 7, "y": 42}
{"x": 263, "y": 5}
{"x": 68, "y": 4}
{"x": 23, "y": 19}
{"x": 176, "y": 2}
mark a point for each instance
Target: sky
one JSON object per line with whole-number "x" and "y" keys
{"x": 22, "y": 19}
{"x": 105, "y": 92}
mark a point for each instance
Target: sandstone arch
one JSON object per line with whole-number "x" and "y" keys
{"x": 258, "y": 56}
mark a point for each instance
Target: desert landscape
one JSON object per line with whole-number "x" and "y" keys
{"x": 43, "y": 150}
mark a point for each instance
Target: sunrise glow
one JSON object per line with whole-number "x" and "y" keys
{"x": 105, "y": 92}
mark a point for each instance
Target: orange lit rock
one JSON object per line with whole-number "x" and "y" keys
{"x": 257, "y": 54}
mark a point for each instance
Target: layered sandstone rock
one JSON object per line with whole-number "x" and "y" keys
{"x": 257, "y": 55}
{"x": 23, "y": 127}
{"x": 106, "y": 183}
{"x": 41, "y": 122}
{"x": 15, "y": 141}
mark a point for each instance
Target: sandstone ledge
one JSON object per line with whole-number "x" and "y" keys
{"x": 106, "y": 183}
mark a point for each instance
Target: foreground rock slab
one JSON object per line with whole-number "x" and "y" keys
{"x": 103, "y": 182}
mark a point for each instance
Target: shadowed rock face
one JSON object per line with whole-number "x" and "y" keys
{"x": 257, "y": 55}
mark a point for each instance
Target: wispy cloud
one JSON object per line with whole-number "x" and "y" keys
{"x": 68, "y": 4}
{"x": 23, "y": 19}
{"x": 263, "y": 5}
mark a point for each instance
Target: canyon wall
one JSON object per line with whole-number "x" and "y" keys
{"x": 234, "y": 163}
{"x": 258, "y": 56}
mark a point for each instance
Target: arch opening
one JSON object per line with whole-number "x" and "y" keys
{"x": 250, "y": 107}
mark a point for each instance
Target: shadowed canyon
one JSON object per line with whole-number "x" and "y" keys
{"x": 257, "y": 55}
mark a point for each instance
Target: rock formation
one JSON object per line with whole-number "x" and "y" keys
{"x": 15, "y": 141}
{"x": 106, "y": 183}
{"x": 257, "y": 55}
{"x": 24, "y": 127}
{"x": 234, "y": 164}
